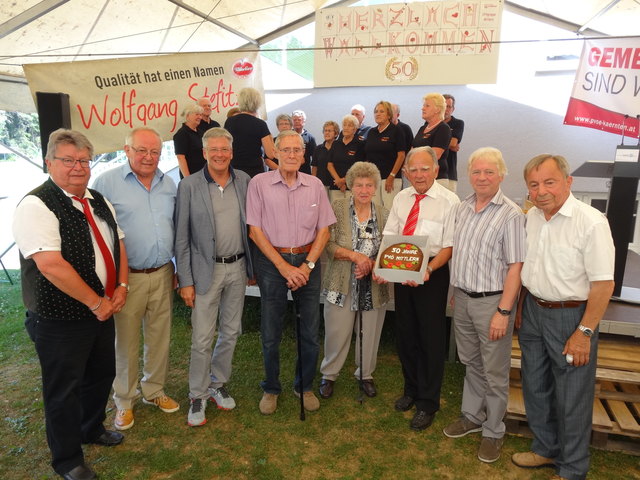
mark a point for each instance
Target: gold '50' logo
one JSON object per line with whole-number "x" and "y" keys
{"x": 401, "y": 69}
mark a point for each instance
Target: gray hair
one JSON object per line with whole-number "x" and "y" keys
{"x": 249, "y": 100}
{"x": 358, "y": 107}
{"x": 448, "y": 96}
{"x": 362, "y": 170}
{"x": 299, "y": 113}
{"x": 285, "y": 117}
{"x": 493, "y": 155}
{"x": 62, "y": 136}
{"x": 189, "y": 109}
{"x": 216, "y": 132}
{"x": 288, "y": 133}
{"x": 351, "y": 118}
{"x": 538, "y": 160}
{"x": 428, "y": 150}
{"x": 129, "y": 138}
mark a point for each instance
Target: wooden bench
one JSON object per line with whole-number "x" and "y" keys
{"x": 616, "y": 407}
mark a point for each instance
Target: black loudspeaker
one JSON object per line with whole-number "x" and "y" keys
{"x": 53, "y": 113}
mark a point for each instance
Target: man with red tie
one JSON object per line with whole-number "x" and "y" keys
{"x": 423, "y": 209}
{"x": 74, "y": 278}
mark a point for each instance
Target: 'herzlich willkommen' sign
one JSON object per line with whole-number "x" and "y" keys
{"x": 408, "y": 44}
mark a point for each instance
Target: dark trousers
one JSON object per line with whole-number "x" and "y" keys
{"x": 421, "y": 337}
{"x": 78, "y": 367}
{"x": 558, "y": 397}
{"x": 273, "y": 295}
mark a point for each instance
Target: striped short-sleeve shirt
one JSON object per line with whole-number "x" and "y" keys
{"x": 486, "y": 242}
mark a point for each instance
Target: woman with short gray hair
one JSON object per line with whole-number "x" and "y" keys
{"x": 187, "y": 142}
{"x": 350, "y": 291}
{"x": 253, "y": 146}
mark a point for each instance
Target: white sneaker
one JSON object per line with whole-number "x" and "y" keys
{"x": 196, "y": 415}
{"x": 222, "y": 399}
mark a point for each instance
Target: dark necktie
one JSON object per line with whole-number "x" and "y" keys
{"x": 106, "y": 253}
{"x": 412, "y": 219}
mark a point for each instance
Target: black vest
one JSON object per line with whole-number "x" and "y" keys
{"x": 38, "y": 293}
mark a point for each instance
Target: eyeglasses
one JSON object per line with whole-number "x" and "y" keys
{"x": 289, "y": 151}
{"x": 71, "y": 162}
{"x": 218, "y": 150}
{"x": 143, "y": 152}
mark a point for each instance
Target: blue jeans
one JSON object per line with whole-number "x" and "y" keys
{"x": 558, "y": 397}
{"x": 273, "y": 294}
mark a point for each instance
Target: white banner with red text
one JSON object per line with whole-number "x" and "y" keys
{"x": 606, "y": 90}
{"x": 418, "y": 43}
{"x": 109, "y": 98}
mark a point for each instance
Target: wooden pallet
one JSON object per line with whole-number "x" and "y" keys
{"x": 616, "y": 407}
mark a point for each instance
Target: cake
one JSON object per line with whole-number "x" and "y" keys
{"x": 402, "y": 256}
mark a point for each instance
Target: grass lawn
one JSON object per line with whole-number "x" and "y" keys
{"x": 343, "y": 440}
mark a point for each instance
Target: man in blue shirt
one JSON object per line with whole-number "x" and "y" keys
{"x": 144, "y": 199}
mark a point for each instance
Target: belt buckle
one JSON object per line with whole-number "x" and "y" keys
{"x": 291, "y": 252}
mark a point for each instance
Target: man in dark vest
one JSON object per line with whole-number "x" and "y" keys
{"x": 74, "y": 277}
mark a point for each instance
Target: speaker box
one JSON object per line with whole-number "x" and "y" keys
{"x": 53, "y": 113}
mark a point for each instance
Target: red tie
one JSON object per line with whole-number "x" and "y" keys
{"x": 412, "y": 219}
{"x": 106, "y": 253}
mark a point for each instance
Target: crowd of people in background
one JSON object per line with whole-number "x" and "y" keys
{"x": 99, "y": 267}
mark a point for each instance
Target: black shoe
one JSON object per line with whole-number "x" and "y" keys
{"x": 81, "y": 472}
{"x": 326, "y": 388}
{"x": 108, "y": 439}
{"x": 368, "y": 387}
{"x": 421, "y": 420}
{"x": 404, "y": 403}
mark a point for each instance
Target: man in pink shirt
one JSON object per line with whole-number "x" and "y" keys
{"x": 289, "y": 214}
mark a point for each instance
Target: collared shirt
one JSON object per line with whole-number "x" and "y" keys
{"x": 146, "y": 216}
{"x": 567, "y": 252}
{"x": 37, "y": 229}
{"x": 227, "y": 220}
{"x": 288, "y": 216}
{"x": 435, "y": 209}
{"x": 485, "y": 243}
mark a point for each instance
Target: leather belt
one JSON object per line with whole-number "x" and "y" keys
{"x": 147, "y": 270}
{"x": 229, "y": 259}
{"x": 482, "y": 294}
{"x": 295, "y": 250}
{"x": 567, "y": 304}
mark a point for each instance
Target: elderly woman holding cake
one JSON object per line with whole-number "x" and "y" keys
{"x": 352, "y": 249}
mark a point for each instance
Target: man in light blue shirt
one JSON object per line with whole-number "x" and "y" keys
{"x": 144, "y": 199}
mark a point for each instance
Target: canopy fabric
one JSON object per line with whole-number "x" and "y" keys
{"x": 33, "y": 31}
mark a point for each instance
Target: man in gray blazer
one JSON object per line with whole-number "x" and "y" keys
{"x": 213, "y": 263}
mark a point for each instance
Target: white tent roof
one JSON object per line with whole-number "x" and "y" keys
{"x": 33, "y": 31}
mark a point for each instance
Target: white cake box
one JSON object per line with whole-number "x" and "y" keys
{"x": 399, "y": 275}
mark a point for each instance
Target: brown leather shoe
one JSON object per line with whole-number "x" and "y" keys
{"x": 326, "y": 388}
{"x": 531, "y": 460}
{"x": 369, "y": 388}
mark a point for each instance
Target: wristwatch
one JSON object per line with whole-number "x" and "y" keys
{"x": 125, "y": 285}
{"x": 506, "y": 313}
{"x": 310, "y": 264}
{"x": 586, "y": 330}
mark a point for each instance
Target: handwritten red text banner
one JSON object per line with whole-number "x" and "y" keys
{"x": 408, "y": 43}
{"x": 606, "y": 91}
{"x": 109, "y": 98}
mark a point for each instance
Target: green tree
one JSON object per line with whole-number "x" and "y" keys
{"x": 21, "y": 131}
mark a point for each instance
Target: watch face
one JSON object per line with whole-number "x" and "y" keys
{"x": 311, "y": 265}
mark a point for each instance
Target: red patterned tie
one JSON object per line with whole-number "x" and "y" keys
{"x": 412, "y": 219}
{"x": 106, "y": 253}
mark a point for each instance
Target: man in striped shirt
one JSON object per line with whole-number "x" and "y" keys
{"x": 488, "y": 251}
